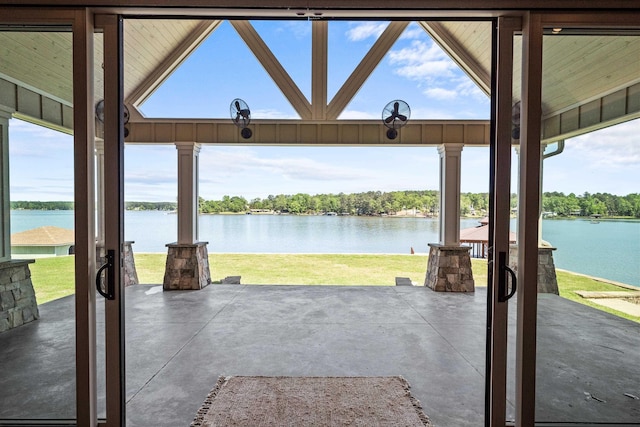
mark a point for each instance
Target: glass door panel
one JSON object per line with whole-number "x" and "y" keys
{"x": 588, "y": 330}
{"x": 502, "y": 283}
{"x": 37, "y": 273}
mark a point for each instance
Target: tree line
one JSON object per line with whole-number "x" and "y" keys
{"x": 425, "y": 202}
{"x": 591, "y": 204}
{"x": 384, "y": 203}
{"x": 68, "y": 206}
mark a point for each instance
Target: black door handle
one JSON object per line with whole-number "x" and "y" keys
{"x": 109, "y": 293}
{"x": 502, "y": 279}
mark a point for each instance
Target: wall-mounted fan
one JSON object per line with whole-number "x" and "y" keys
{"x": 100, "y": 115}
{"x": 395, "y": 115}
{"x": 241, "y": 116}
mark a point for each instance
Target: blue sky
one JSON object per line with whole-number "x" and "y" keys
{"x": 415, "y": 70}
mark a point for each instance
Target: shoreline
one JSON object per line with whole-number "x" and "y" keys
{"x": 603, "y": 280}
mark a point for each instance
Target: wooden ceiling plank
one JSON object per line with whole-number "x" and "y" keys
{"x": 171, "y": 62}
{"x": 274, "y": 68}
{"x": 364, "y": 69}
{"x": 460, "y": 53}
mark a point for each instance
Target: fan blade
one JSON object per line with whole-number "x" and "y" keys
{"x": 402, "y": 117}
{"x": 396, "y": 106}
{"x": 389, "y": 119}
{"x": 238, "y": 106}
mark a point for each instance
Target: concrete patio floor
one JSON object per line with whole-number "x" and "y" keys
{"x": 178, "y": 343}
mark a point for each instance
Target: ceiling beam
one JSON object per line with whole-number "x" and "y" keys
{"x": 474, "y": 69}
{"x": 364, "y": 69}
{"x": 310, "y": 132}
{"x": 33, "y": 107}
{"x": 319, "y": 65}
{"x": 171, "y": 63}
{"x": 272, "y": 66}
{"x": 617, "y": 107}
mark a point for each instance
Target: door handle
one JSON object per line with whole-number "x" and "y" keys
{"x": 109, "y": 293}
{"x": 502, "y": 279}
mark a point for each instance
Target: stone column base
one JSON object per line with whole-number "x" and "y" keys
{"x": 547, "y": 280}
{"x": 187, "y": 267}
{"x": 17, "y": 298}
{"x": 449, "y": 269}
{"x": 130, "y": 272}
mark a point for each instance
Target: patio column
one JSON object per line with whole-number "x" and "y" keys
{"x": 449, "y": 265}
{"x": 5, "y": 222}
{"x": 187, "y": 259}
{"x": 17, "y": 298}
{"x": 450, "y": 163}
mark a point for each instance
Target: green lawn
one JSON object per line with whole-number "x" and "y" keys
{"x": 53, "y": 277}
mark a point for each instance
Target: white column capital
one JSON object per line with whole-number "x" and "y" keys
{"x": 445, "y": 149}
{"x": 188, "y": 145}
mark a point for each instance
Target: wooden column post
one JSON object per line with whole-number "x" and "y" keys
{"x": 450, "y": 161}
{"x": 449, "y": 265}
{"x": 188, "y": 153}
{"x": 187, "y": 260}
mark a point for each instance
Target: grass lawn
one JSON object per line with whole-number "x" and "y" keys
{"x": 53, "y": 277}
{"x": 306, "y": 269}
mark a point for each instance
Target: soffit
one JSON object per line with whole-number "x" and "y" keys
{"x": 42, "y": 61}
{"x": 577, "y": 69}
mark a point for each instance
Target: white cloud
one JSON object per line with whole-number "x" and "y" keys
{"x": 27, "y": 139}
{"x": 240, "y": 160}
{"x": 441, "y": 93}
{"x": 613, "y": 147}
{"x": 299, "y": 29}
{"x": 272, "y": 114}
{"x": 422, "y": 60}
{"x": 358, "y": 115}
{"x": 413, "y": 31}
{"x": 365, "y": 30}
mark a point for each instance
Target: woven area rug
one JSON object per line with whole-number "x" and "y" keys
{"x": 311, "y": 401}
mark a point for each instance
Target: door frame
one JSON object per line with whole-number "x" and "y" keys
{"x": 113, "y": 213}
{"x": 81, "y": 23}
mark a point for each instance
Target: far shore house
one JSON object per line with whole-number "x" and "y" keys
{"x": 47, "y": 241}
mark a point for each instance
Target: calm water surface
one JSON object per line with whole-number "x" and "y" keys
{"x": 609, "y": 249}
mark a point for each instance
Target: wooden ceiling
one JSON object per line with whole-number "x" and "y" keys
{"x": 578, "y": 69}
{"x": 42, "y": 61}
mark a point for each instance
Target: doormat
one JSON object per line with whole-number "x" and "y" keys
{"x": 311, "y": 401}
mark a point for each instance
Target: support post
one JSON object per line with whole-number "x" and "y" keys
{"x": 5, "y": 207}
{"x": 450, "y": 162}
{"x": 449, "y": 264}
{"x": 188, "y": 156}
{"x": 187, "y": 264}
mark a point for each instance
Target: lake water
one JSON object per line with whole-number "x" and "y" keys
{"x": 609, "y": 249}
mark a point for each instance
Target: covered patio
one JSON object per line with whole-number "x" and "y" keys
{"x": 179, "y": 343}
{"x": 567, "y": 363}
